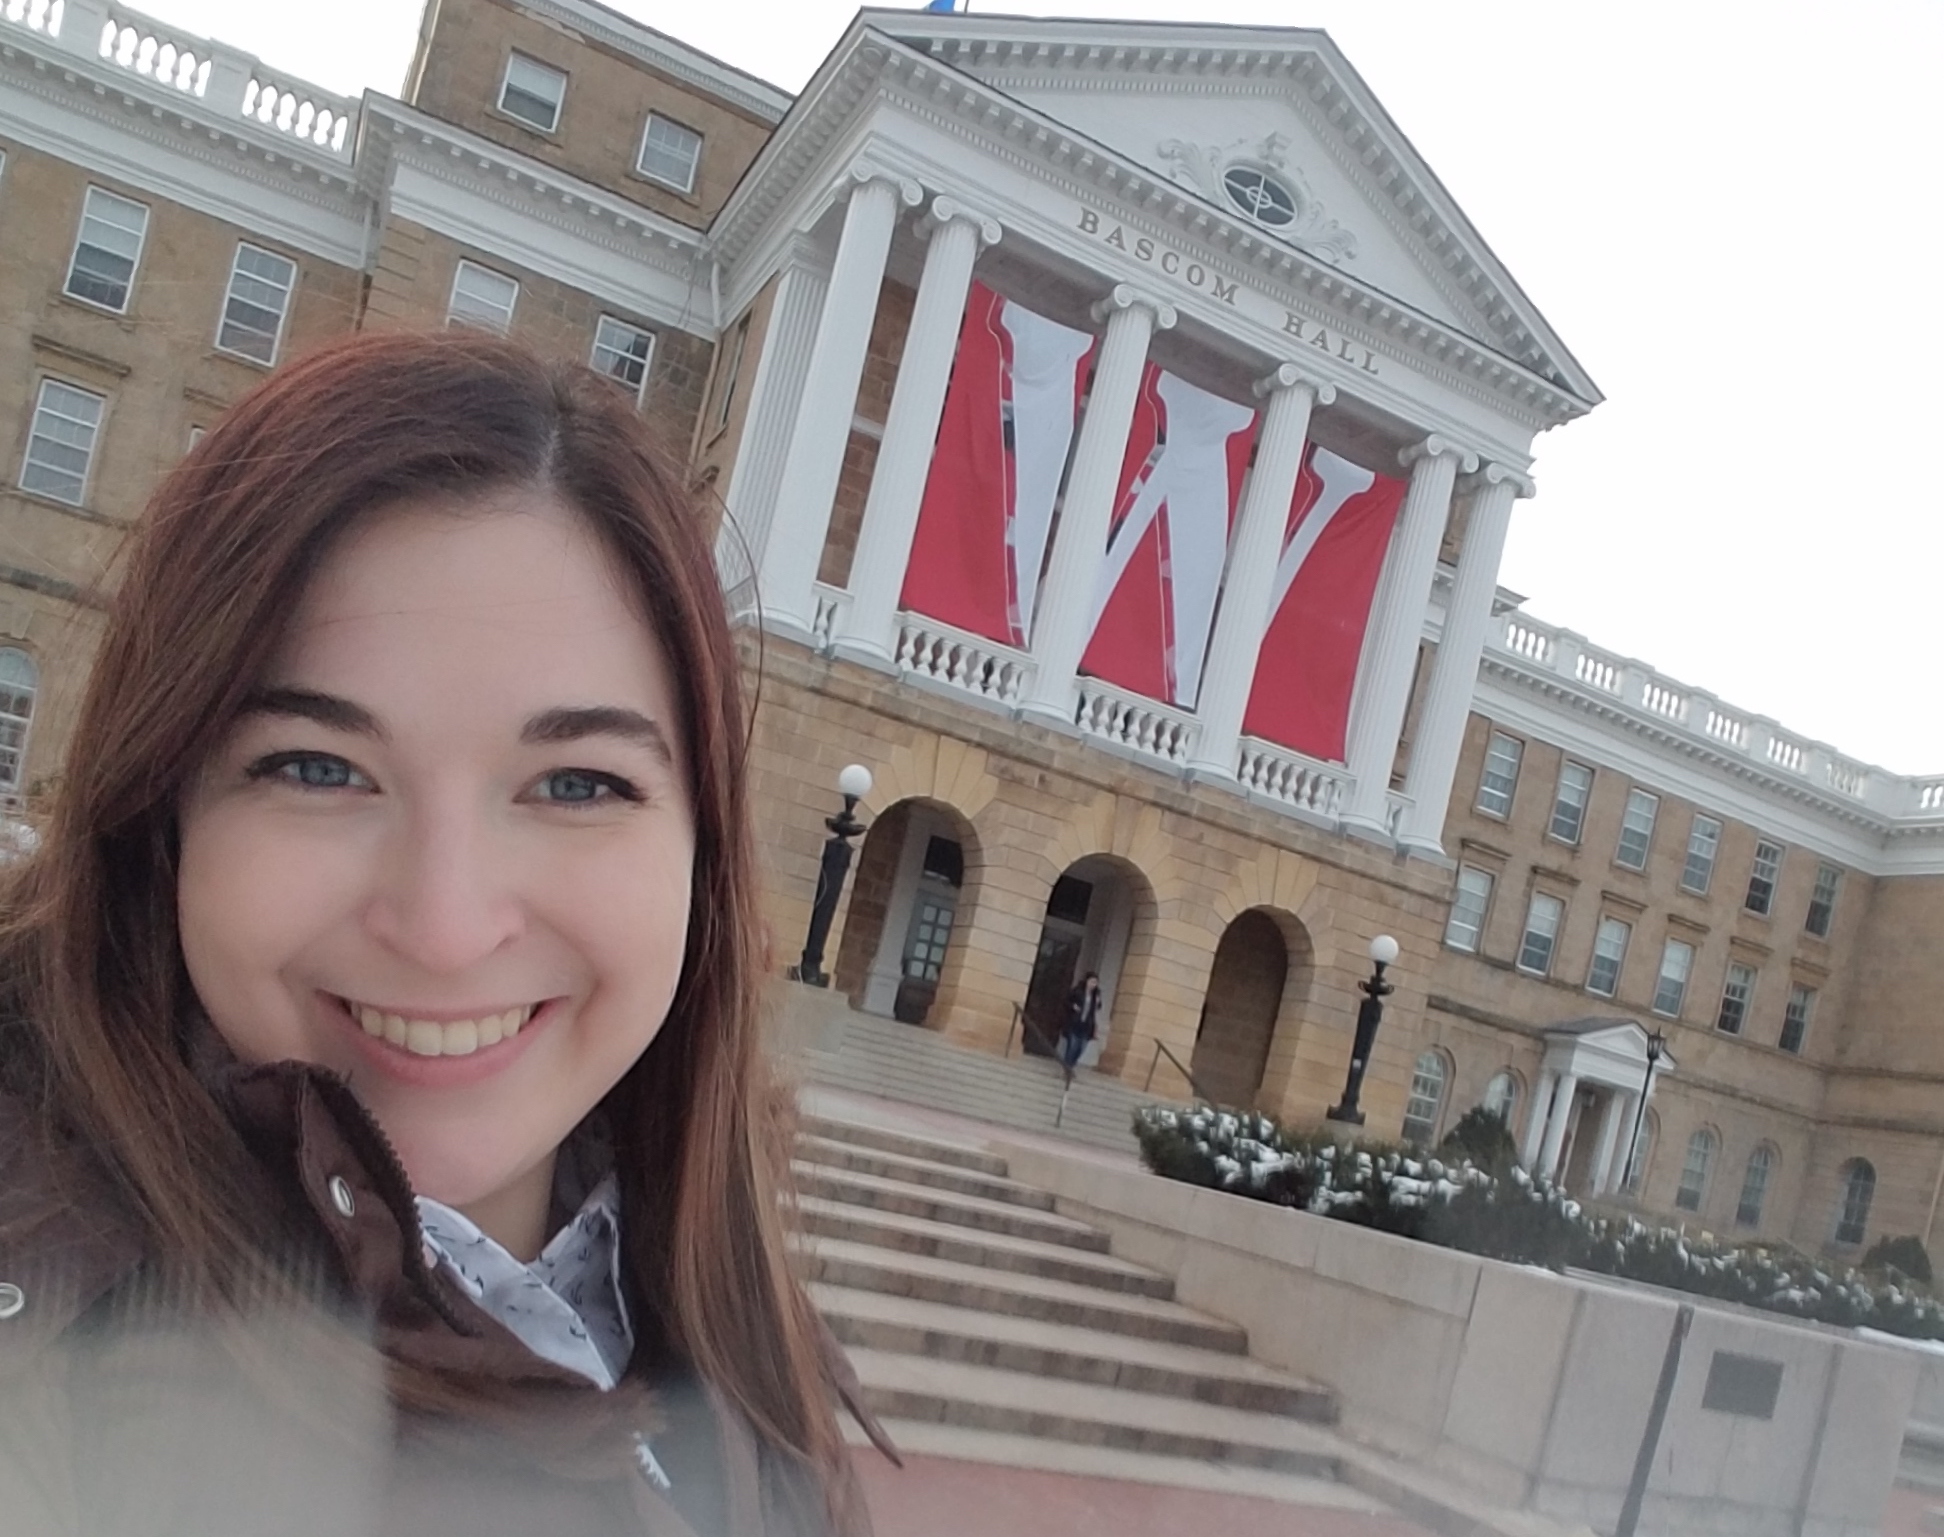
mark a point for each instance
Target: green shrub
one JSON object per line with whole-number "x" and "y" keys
{"x": 1904, "y": 1256}
{"x": 1482, "y": 1136}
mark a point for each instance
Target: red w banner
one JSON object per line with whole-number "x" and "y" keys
{"x": 1154, "y": 600}
{"x": 1339, "y": 531}
{"x": 995, "y": 472}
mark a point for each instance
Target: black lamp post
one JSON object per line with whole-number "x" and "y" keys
{"x": 1370, "y": 1014}
{"x": 1656, "y": 1049}
{"x": 853, "y": 784}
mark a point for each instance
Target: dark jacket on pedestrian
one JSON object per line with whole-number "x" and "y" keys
{"x": 128, "y": 1410}
{"x": 1083, "y": 1012}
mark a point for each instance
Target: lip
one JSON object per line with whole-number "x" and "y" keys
{"x": 439, "y": 1072}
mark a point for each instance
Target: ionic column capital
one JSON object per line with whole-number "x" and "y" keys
{"x": 945, "y": 209}
{"x": 1493, "y": 473}
{"x": 1438, "y": 446}
{"x": 865, "y": 173}
{"x": 1287, "y": 376}
{"x": 1125, "y": 296}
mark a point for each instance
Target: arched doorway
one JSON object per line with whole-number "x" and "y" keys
{"x": 1090, "y": 920}
{"x": 904, "y": 909}
{"x": 1239, "y": 1011}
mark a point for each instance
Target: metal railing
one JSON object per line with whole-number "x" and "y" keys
{"x": 1160, "y": 1051}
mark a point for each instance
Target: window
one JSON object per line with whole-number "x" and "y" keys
{"x": 1754, "y": 1190}
{"x": 1541, "y": 930}
{"x": 1501, "y": 1096}
{"x": 1670, "y": 992}
{"x": 1261, "y": 196}
{"x": 1822, "y": 901}
{"x": 1704, "y": 839}
{"x": 623, "y": 352}
{"x": 1467, "y": 920}
{"x": 19, "y": 682}
{"x": 107, "y": 249}
{"x": 1735, "y": 993}
{"x": 532, "y": 92}
{"x": 1569, "y": 803}
{"x": 481, "y": 297}
{"x": 61, "y": 442}
{"x": 931, "y": 932}
{"x": 1427, "y": 1099}
{"x": 1637, "y": 830}
{"x": 1694, "y": 1172}
{"x": 669, "y": 152}
{"x": 1762, "y": 879}
{"x": 253, "y": 310}
{"x": 1795, "y": 1018}
{"x": 731, "y": 371}
{"x": 1859, "y": 1189}
{"x": 1501, "y": 776}
{"x": 1609, "y": 954}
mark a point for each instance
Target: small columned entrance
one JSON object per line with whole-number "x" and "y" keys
{"x": 904, "y": 910}
{"x": 1586, "y": 1103}
{"x": 1089, "y": 922}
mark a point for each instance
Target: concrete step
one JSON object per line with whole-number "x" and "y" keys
{"x": 887, "y": 1141}
{"x": 880, "y": 1194}
{"x": 986, "y": 1398}
{"x": 968, "y": 1246}
{"x": 829, "y": 1153}
{"x": 910, "y": 1326}
{"x": 865, "y": 1267}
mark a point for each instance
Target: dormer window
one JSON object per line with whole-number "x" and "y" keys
{"x": 1261, "y": 195}
{"x": 532, "y": 92}
{"x": 670, "y": 153}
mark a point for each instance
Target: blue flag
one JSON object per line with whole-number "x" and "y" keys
{"x": 943, "y": 7}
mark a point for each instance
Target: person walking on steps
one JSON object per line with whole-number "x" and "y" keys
{"x": 1082, "y": 1020}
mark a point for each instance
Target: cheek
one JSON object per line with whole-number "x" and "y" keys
{"x": 629, "y": 918}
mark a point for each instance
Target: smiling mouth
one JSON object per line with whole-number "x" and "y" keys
{"x": 441, "y": 1038}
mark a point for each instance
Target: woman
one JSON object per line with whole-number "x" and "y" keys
{"x": 1082, "y": 1020}
{"x": 385, "y": 1144}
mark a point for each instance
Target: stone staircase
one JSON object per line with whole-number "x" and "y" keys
{"x": 843, "y": 1049}
{"x": 969, "y": 1306}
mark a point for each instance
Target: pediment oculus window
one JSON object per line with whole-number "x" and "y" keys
{"x": 1261, "y": 195}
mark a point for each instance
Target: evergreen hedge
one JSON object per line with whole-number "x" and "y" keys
{"x": 1510, "y": 1216}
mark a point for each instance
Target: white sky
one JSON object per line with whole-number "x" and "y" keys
{"x": 1729, "y": 213}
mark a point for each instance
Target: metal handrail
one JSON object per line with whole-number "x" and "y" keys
{"x": 1160, "y": 1051}
{"x": 1021, "y": 1022}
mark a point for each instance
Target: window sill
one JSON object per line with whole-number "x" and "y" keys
{"x": 688, "y": 195}
{"x": 499, "y": 114}
{"x": 93, "y": 307}
{"x": 71, "y": 509}
{"x": 223, "y": 354}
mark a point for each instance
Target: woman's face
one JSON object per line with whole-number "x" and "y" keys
{"x": 447, "y": 850}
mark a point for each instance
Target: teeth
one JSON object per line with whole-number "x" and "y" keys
{"x": 430, "y": 1038}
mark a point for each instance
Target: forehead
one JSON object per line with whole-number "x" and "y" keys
{"x": 432, "y": 594}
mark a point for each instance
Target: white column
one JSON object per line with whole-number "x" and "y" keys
{"x": 1556, "y": 1124}
{"x": 911, "y": 430}
{"x": 1250, "y": 584}
{"x": 773, "y": 390}
{"x": 1059, "y": 627}
{"x": 1536, "y": 1123}
{"x": 829, "y": 403}
{"x": 1396, "y": 625}
{"x": 1454, "y": 670}
{"x": 1614, "y": 1125}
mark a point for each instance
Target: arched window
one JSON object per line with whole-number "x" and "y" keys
{"x": 1694, "y": 1172}
{"x": 1421, "y": 1111}
{"x": 19, "y": 680}
{"x": 1643, "y": 1150}
{"x": 1502, "y": 1095}
{"x": 1859, "y": 1189}
{"x": 1754, "y": 1190}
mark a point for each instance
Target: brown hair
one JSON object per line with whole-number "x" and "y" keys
{"x": 89, "y": 944}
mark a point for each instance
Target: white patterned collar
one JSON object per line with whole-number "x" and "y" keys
{"x": 566, "y": 1307}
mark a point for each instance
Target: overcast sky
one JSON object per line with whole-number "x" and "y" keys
{"x": 1729, "y": 212}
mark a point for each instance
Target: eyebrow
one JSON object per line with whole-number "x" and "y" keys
{"x": 327, "y": 710}
{"x": 572, "y": 724}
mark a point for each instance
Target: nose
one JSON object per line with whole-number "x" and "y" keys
{"x": 444, "y": 898}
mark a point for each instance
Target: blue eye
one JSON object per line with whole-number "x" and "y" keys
{"x": 583, "y": 787}
{"x": 309, "y": 771}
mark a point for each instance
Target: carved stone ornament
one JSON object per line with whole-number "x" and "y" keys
{"x": 1255, "y": 176}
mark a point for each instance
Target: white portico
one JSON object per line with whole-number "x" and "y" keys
{"x": 1227, "y": 205}
{"x": 1596, "y": 1082}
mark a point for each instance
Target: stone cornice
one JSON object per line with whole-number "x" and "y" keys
{"x": 1301, "y": 67}
{"x": 869, "y": 66}
{"x": 645, "y": 45}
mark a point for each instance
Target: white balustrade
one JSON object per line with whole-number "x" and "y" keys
{"x": 1129, "y": 720}
{"x": 1847, "y": 778}
{"x": 1787, "y": 754}
{"x": 1724, "y": 727}
{"x": 1289, "y": 778}
{"x": 1597, "y": 671}
{"x": 43, "y": 16}
{"x": 303, "y": 111}
{"x": 1930, "y": 796}
{"x": 969, "y": 664}
{"x": 135, "y": 43}
{"x": 831, "y": 605}
{"x": 1658, "y": 699}
{"x": 1522, "y": 639}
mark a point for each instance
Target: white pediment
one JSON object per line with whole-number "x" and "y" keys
{"x": 1273, "y": 117}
